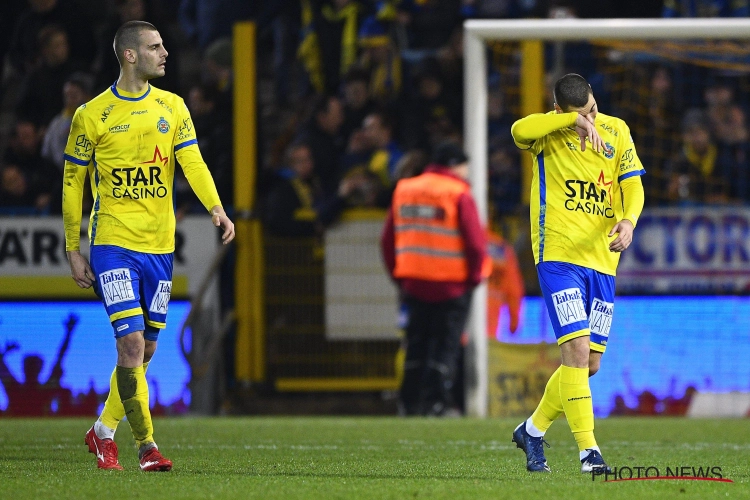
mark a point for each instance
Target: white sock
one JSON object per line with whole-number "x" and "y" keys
{"x": 583, "y": 454}
{"x": 533, "y": 431}
{"x": 102, "y": 431}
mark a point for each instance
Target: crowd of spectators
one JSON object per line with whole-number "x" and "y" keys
{"x": 57, "y": 54}
{"x": 363, "y": 91}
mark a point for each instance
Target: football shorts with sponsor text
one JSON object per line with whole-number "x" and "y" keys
{"x": 135, "y": 288}
{"x": 579, "y": 301}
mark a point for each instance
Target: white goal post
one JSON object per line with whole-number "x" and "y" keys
{"x": 476, "y": 34}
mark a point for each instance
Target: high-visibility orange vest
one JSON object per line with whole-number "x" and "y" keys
{"x": 505, "y": 286}
{"x": 429, "y": 245}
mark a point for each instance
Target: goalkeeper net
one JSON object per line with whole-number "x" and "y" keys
{"x": 681, "y": 86}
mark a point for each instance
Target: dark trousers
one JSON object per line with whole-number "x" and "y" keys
{"x": 433, "y": 340}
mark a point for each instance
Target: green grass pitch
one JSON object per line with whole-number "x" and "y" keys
{"x": 360, "y": 458}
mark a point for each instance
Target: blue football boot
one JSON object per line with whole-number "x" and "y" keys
{"x": 533, "y": 447}
{"x": 594, "y": 464}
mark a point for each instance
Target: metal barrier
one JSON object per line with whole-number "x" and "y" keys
{"x": 201, "y": 349}
{"x": 299, "y": 355}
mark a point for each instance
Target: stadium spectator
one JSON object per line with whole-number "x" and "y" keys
{"x": 429, "y": 22}
{"x": 374, "y": 149}
{"x": 505, "y": 288}
{"x": 289, "y": 208}
{"x": 431, "y": 215}
{"x": 205, "y": 21}
{"x": 323, "y": 135}
{"x": 76, "y": 91}
{"x": 328, "y": 47}
{"x": 217, "y": 65}
{"x": 431, "y": 112}
{"x": 214, "y": 138}
{"x": 662, "y": 121}
{"x": 214, "y": 132}
{"x": 499, "y": 120}
{"x": 411, "y": 164}
{"x": 357, "y": 101}
{"x": 381, "y": 58}
{"x": 504, "y": 170}
{"x": 501, "y": 9}
{"x": 28, "y": 176}
{"x": 16, "y": 196}
{"x": 450, "y": 61}
{"x": 705, "y": 8}
{"x": 294, "y": 206}
{"x": 727, "y": 119}
{"x": 41, "y": 91}
{"x": 10, "y": 10}
{"x": 696, "y": 174}
{"x": 40, "y": 13}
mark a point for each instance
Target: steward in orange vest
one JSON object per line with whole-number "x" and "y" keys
{"x": 505, "y": 286}
{"x": 436, "y": 250}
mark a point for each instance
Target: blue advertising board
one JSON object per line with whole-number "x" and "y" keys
{"x": 660, "y": 350}
{"x": 33, "y": 338}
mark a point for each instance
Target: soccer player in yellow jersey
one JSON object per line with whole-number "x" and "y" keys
{"x": 586, "y": 198}
{"x": 127, "y": 139}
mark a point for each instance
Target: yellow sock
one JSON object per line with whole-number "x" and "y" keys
{"x": 113, "y": 410}
{"x": 133, "y": 389}
{"x": 550, "y": 407}
{"x": 575, "y": 394}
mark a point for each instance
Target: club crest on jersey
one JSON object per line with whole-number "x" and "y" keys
{"x": 609, "y": 151}
{"x": 163, "y": 126}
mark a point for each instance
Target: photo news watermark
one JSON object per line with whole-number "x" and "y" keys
{"x": 669, "y": 473}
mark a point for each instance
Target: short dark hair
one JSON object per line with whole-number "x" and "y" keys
{"x": 449, "y": 154}
{"x": 385, "y": 119}
{"x": 356, "y": 74}
{"x": 322, "y": 104}
{"x": 127, "y": 36}
{"x": 572, "y": 91}
{"x": 47, "y": 33}
{"x": 82, "y": 80}
{"x": 298, "y": 143}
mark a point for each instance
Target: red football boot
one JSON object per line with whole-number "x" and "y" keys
{"x": 104, "y": 449}
{"x": 153, "y": 461}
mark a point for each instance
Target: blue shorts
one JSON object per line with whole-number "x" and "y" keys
{"x": 580, "y": 301}
{"x": 135, "y": 288}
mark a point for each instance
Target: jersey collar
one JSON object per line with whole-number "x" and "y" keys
{"x": 127, "y": 96}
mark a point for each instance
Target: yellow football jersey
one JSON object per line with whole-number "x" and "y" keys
{"x": 129, "y": 144}
{"x": 575, "y": 195}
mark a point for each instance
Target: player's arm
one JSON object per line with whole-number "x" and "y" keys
{"x": 528, "y": 130}
{"x": 78, "y": 154}
{"x": 198, "y": 176}
{"x": 633, "y": 197}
